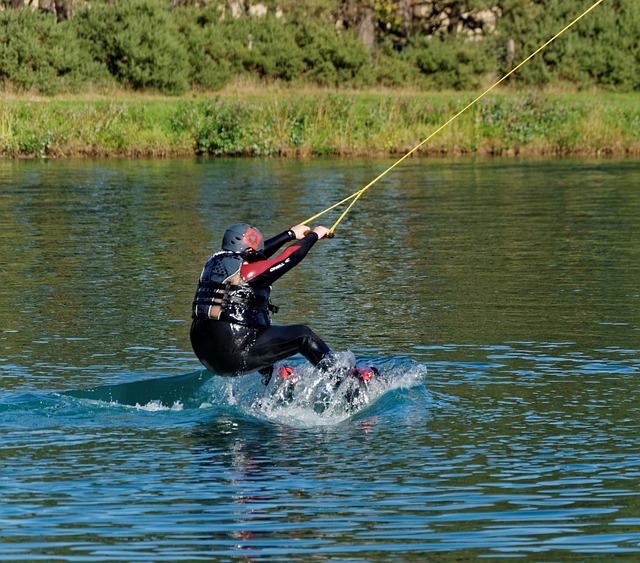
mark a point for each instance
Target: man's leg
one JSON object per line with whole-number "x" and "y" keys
{"x": 278, "y": 342}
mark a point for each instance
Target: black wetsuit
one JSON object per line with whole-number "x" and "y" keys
{"x": 231, "y": 332}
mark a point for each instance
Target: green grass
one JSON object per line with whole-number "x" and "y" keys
{"x": 285, "y": 123}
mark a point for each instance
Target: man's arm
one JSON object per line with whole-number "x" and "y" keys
{"x": 274, "y": 243}
{"x": 264, "y": 272}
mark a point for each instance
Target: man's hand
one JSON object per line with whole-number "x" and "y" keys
{"x": 321, "y": 231}
{"x": 300, "y": 231}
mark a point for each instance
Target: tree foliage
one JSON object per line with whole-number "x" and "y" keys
{"x": 138, "y": 42}
{"x": 40, "y": 54}
{"x": 602, "y": 49}
{"x": 173, "y": 46}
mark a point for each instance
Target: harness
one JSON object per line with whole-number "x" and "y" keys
{"x": 227, "y": 294}
{"x": 226, "y": 299}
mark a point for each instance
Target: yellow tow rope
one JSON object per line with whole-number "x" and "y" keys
{"x": 356, "y": 195}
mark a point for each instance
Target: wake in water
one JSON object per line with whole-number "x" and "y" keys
{"x": 312, "y": 399}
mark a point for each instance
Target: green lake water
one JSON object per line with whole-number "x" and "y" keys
{"x": 500, "y": 297}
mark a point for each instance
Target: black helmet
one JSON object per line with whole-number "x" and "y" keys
{"x": 241, "y": 237}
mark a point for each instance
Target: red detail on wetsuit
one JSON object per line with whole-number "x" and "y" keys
{"x": 252, "y": 238}
{"x": 249, "y": 271}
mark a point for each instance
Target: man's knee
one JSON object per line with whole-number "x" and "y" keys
{"x": 314, "y": 348}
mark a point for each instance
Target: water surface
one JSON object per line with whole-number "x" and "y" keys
{"x": 501, "y": 296}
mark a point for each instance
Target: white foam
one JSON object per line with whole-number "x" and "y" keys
{"x": 314, "y": 401}
{"x": 156, "y": 406}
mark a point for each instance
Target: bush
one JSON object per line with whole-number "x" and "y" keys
{"x": 145, "y": 45}
{"x": 139, "y": 43}
{"x": 266, "y": 48}
{"x": 39, "y": 54}
{"x": 614, "y": 63}
{"x": 269, "y": 48}
{"x": 516, "y": 122}
{"x": 601, "y": 49}
{"x": 393, "y": 69}
{"x": 330, "y": 59}
{"x": 219, "y": 127}
{"x": 451, "y": 62}
{"x": 205, "y": 42}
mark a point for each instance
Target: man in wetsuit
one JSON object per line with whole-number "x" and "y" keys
{"x": 231, "y": 332}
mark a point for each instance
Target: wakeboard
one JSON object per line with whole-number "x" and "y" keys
{"x": 344, "y": 388}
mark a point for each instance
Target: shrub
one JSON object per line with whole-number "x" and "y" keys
{"x": 518, "y": 121}
{"x": 145, "y": 45}
{"x": 266, "y": 48}
{"x": 394, "y": 69}
{"x": 39, "y": 54}
{"x": 220, "y": 129}
{"x": 451, "y": 62}
{"x": 139, "y": 43}
{"x": 270, "y": 48}
{"x": 203, "y": 37}
{"x": 330, "y": 59}
{"x": 220, "y": 48}
{"x": 601, "y": 49}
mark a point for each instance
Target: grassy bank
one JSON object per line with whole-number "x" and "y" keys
{"x": 308, "y": 124}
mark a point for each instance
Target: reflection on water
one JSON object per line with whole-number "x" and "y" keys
{"x": 515, "y": 284}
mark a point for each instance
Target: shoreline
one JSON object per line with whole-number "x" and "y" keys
{"x": 305, "y": 124}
